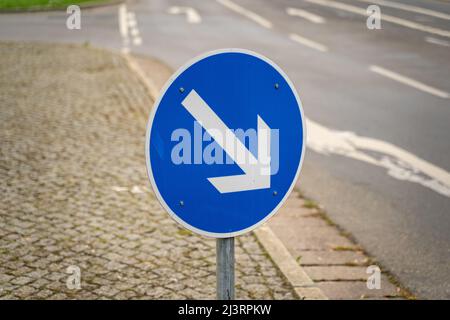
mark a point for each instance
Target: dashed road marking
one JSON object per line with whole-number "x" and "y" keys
{"x": 308, "y": 43}
{"x": 384, "y": 17}
{"x": 267, "y": 24}
{"x": 247, "y": 13}
{"x": 305, "y": 15}
{"x": 128, "y": 26}
{"x": 192, "y": 16}
{"x": 137, "y": 41}
{"x": 410, "y": 82}
{"x": 409, "y": 8}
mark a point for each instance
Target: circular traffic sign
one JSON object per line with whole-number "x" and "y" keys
{"x": 225, "y": 142}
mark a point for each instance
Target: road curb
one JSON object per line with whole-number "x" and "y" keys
{"x": 303, "y": 286}
{"x": 301, "y": 283}
{"x": 150, "y": 85}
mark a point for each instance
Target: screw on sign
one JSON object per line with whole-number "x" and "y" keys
{"x": 225, "y": 144}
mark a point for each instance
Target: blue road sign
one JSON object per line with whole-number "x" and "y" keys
{"x": 225, "y": 142}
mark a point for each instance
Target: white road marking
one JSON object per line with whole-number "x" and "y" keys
{"x": 123, "y": 20}
{"x": 123, "y": 28}
{"x": 410, "y": 8}
{"x": 305, "y": 14}
{"x": 247, "y": 13}
{"x": 437, "y": 41}
{"x": 384, "y": 17}
{"x": 307, "y": 42}
{"x": 399, "y": 163}
{"x": 192, "y": 16}
{"x": 410, "y": 82}
{"x": 134, "y": 32}
{"x": 131, "y": 19}
{"x": 131, "y": 22}
{"x": 267, "y": 24}
{"x": 128, "y": 26}
{"x": 137, "y": 41}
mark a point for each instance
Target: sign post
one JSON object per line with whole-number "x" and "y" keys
{"x": 225, "y": 268}
{"x": 225, "y": 144}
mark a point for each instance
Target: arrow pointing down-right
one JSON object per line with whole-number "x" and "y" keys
{"x": 256, "y": 170}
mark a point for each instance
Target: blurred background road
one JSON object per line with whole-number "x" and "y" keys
{"x": 377, "y": 103}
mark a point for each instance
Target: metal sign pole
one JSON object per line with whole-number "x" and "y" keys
{"x": 225, "y": 268}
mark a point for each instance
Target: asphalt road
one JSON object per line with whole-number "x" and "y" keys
{"x": 377, "y": 103}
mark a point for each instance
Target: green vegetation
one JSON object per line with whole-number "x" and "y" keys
{"x": 310, "y": 204}
{"x": 184, "y": 232}
{"x": 43, "y": 4}
{"x": 343, "y": 248}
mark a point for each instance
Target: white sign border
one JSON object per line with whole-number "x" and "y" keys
{"x": 149, "y": 129}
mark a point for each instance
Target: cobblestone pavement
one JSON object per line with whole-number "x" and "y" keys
{"x": 74, "y": 189}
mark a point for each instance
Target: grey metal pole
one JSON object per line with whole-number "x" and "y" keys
{"x": 225, "y": 268}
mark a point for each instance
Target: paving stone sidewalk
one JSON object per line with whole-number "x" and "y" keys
{"x": 336, "y": 264}
{"x": 74, "y": 190}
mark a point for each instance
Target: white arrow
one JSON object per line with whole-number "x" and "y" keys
{"x": 192, "y": 15}
{"x": 256, "y": 171}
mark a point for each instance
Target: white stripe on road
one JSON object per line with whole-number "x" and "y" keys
{"x": 247, "y": 13}
{"x": 267, "y": 24}
{"x": 192, "y": 15}
{"x": 123, "y": 21}
{"x": 410, "y": 82}
{"x": 307, "y": 42}
{"x": 137, "y": 41}
{"x": 128, "y": 25}
{"x": 305, "y": 15}
{"x": 384, "y": 17}
{"x": 123, "y": 28}
{"x": 399, "y": 163}
{"x": 409, "y": 8}
{"x": 134, "y": 32}
{"x": 131, "y": 19}
{"x": 437, "y": 41}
